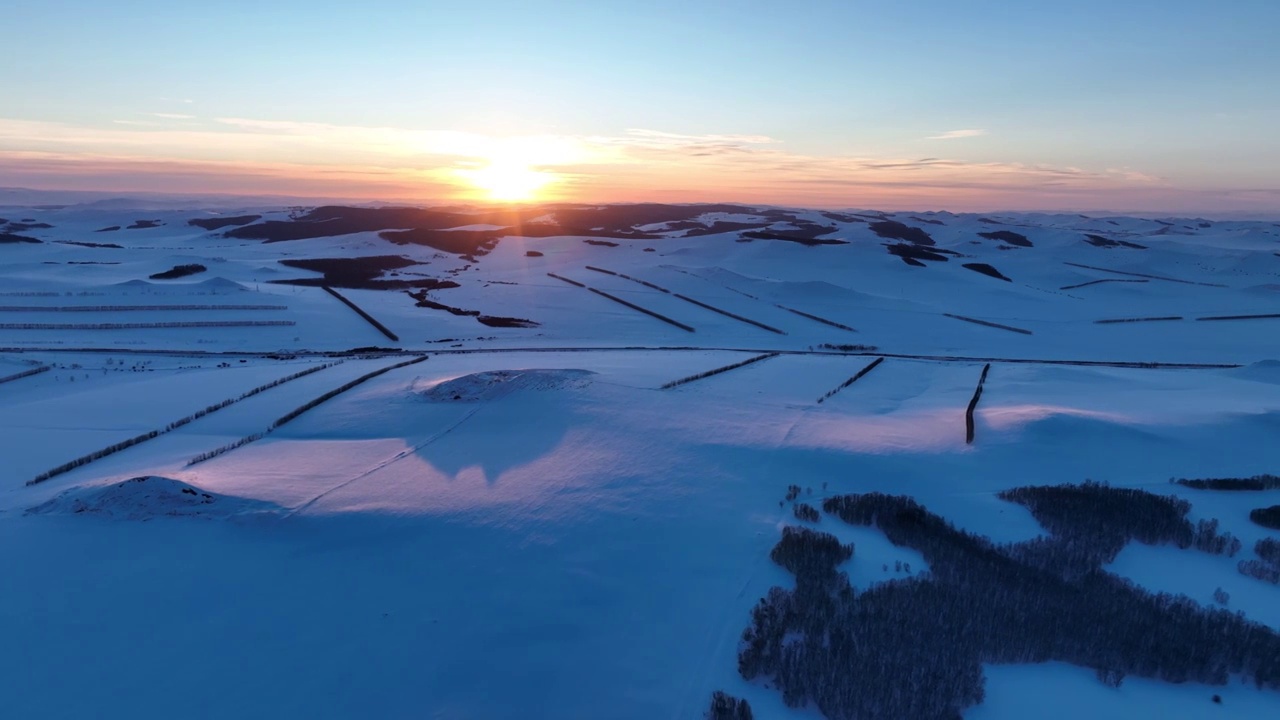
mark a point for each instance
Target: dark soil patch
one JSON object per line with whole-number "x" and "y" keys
{"x": 179, "y": 271}
{"x": 220, "y": 222}
{"x": 1007, "y": 236}
{"x": 144, "y": 225}
{"x": 10, "y": 238}
{"x": 987, "y": 270}
{"x": 894, "y": 230}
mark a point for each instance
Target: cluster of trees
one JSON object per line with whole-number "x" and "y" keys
{"x": 293, "y": 414}
{"x": 1255, "y": 483}
{"x": 728, "y": 707}
{"x": 113, "y": 449}
{"x": 914, "y": 647}
{"x": 1268, "y": 517}
{"x": 1267, "y": 567}
{"x": 1092, "y": 522}
{"x": 179, "y": 271}
{"x": 845, "y": 347}
{"x": 145, "y": 326}
{"x": 624, "y": 276}
{"x": 806, "y": 513}
{"x": 831, "y": 393}
{"x": 717, "y": 371}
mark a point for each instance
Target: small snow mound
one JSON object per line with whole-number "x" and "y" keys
{"x": 494, "y": 383}
{"x": 1267, "y": 371}
{"x": 144, "y": 498}
{"x": 220, "y": 283}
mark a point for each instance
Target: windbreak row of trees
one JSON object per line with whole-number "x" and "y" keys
{"x": 293, "y": 414}
{"x": 147, "y": 326}
{"x": 113, "y": 449}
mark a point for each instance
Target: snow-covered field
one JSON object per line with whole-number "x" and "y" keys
{"x": 525, "y": 524}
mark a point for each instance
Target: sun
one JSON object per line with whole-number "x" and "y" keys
{"x": 508, "y": 180}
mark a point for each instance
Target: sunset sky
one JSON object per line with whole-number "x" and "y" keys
{"x": 1140, "y": 105}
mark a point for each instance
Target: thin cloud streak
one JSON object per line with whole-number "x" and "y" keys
{"x": 957, "y": 134}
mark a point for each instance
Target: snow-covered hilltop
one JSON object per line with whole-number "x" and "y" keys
{"x": 601, "y": 461}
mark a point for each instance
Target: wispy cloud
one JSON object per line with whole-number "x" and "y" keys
{"x": 172, "y": 116}
{"x": 957, "y": 134}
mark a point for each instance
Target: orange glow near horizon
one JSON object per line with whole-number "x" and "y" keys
{"x": 508, "y": 181}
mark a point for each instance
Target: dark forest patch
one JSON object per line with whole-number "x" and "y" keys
{"x": 800, "y": 238}
{"x": 1049, "y": 599}
{"x": 360, "y": 273}
{"x": 894, "y": 230}
{"x": 1103, "y": 242}
{"x": 180, "y": 271}
{"x": 601, "y": 243}
{"x": 927, "y": 221}
{"x": 532, "y": 253}
{"x": 1250, "y": 484}
{"x": 144, "y": 225}
{"x": 218, "y": 223}
{"x": 24, "y": 226}
{"x": 111, "y": 228}
{"x": 1268, "y": 517}
{"x": 913, "y": 254}
{"x": 987, "y": 270}
{"x": 471, "y": 243}
{"x": 1007, "y": 236}
{"x": 10, "y": 238}
{"x": 423, "y": 301}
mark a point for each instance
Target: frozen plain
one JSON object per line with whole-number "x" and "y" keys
{"x": 525, "y": 524}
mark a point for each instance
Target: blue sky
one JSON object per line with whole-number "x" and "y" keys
{"x": 1181, "y": 94}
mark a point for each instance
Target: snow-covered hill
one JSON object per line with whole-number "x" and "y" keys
{"x": 526, "y": 523}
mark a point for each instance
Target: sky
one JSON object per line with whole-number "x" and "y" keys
{"x": 1140, "y": 105}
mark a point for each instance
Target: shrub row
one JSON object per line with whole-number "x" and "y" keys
{"x": 728, "y": 314}
{"x": 293, "y": 414}
{"x": 1141, "y": 275}
{"x": 146, "y": 326}
{"x": 624, "y": 276}
{"x": 620, "y": 301}
{"x": 815, "y": 318}
{"x": 1136, "y": 320}
{"x": 988, "y": 323}
{"x": 113, "y": 449}
{"x": 129, "y": 308}
{"x": 717, "y": 371}
{"x": 367, "y": 317}
{"x": 973, "y": 404}
{"x": 1271, "y": 316}
{"x": 26, "y": 374}
{"x": 852, "y": 380}
{"x": 1257, "y": 482}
